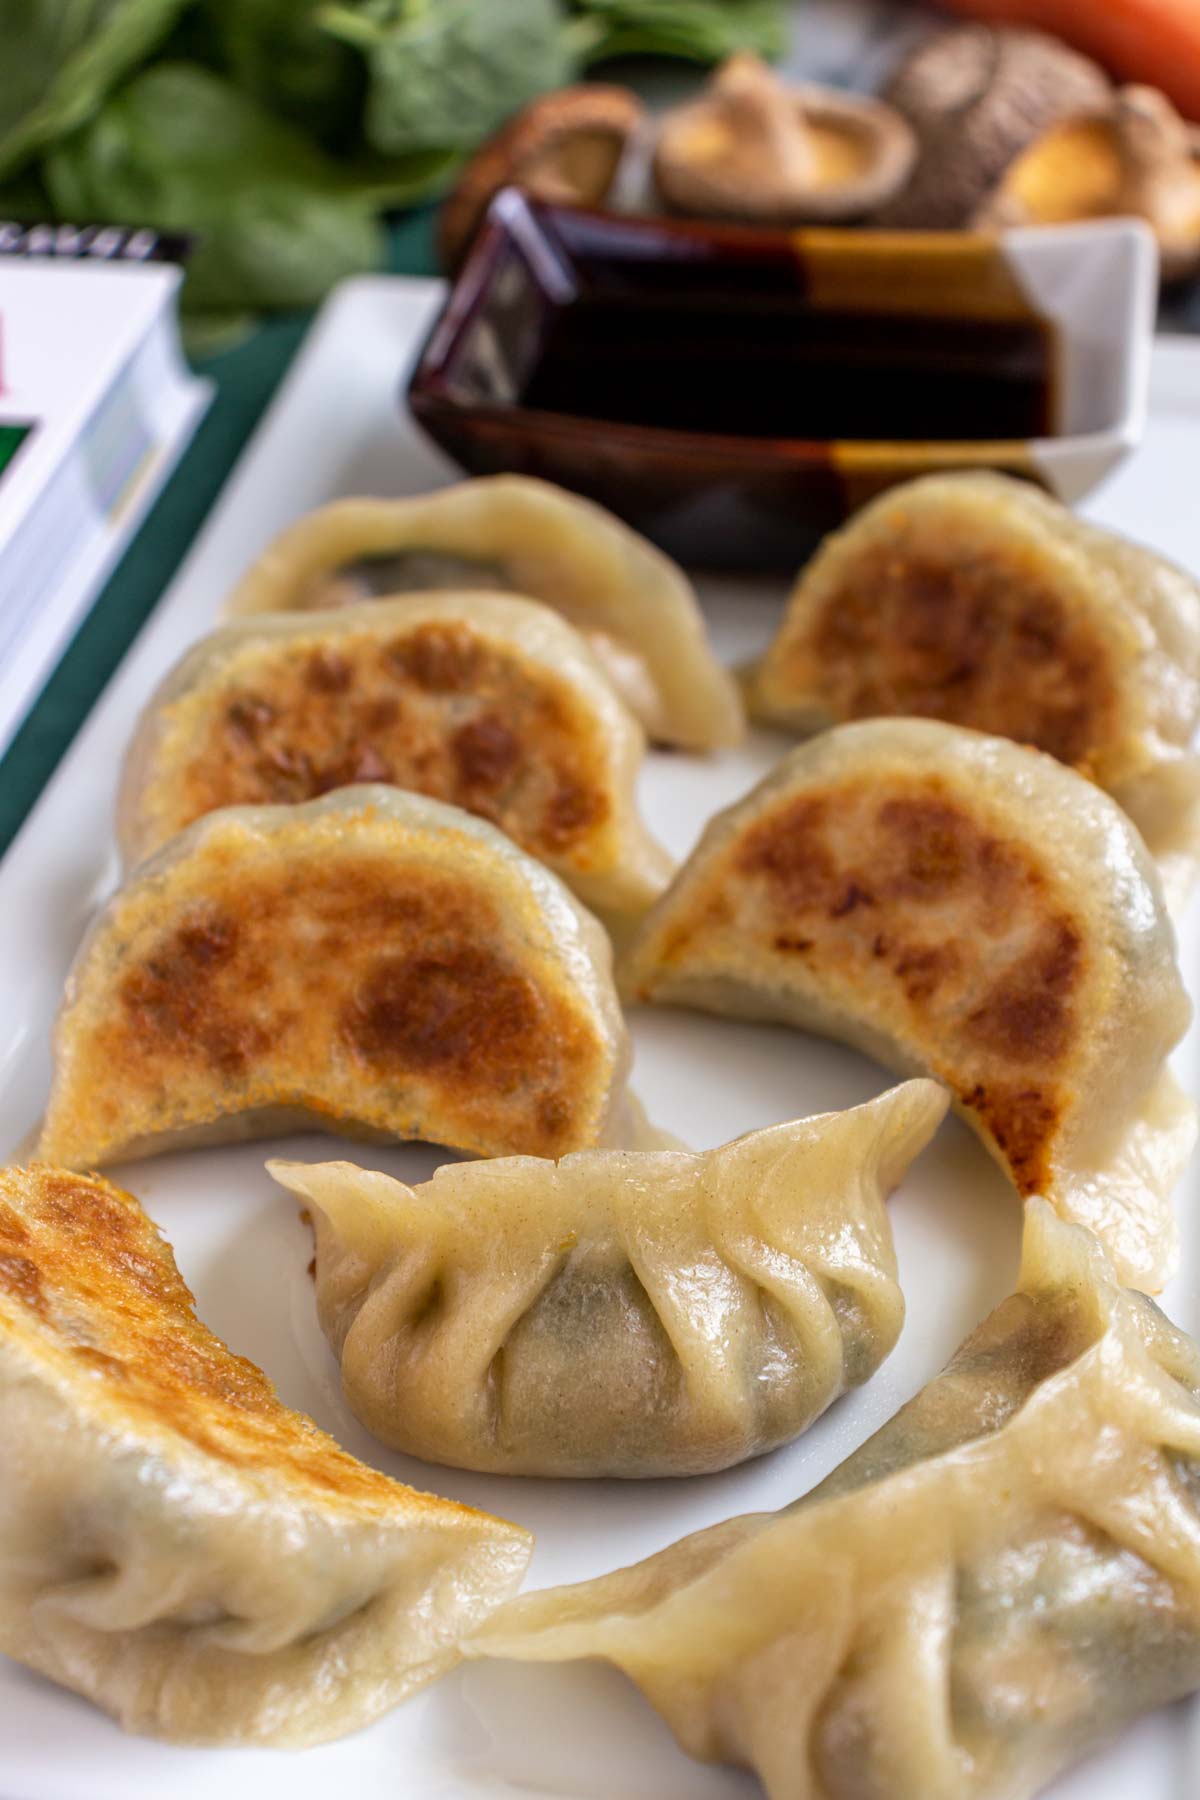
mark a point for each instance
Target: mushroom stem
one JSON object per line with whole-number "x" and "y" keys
{"x": 764, "y": 115}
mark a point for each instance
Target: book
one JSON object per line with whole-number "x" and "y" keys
{"x": 96, "y": 406}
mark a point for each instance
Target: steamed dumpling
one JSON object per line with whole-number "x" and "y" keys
{"x": 619, "y": 1312}
{"x": 176, "y": 1544}
{"x": 957, "y": 905}
{"x": 634, "y": 605}
{"x": 484, "y": 700}
{"x": 978, "y": 599}
{"x": 992, "y": 1587}
{"x": 373, "y": 962}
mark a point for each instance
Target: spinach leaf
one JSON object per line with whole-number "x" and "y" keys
{"x": 277, "y": 223}
{"x": 277, "y": 52}
{"x": 216, "y": 117}
{"x": 447, "y": 72}
{"x": 212, "y": 333}
{"x": 702, "y": 30}
{"x": 23, "y": 197}
{"x": 60, "y": 59}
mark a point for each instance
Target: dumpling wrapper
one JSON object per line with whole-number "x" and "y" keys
{"x": 978, "y": 599}
{"x": 175, "y": 1543}
{"x": 373, "y": 963}
{"x": 993, "y": 1586}
{"x": 486, "y": 701}
{"x": 619, "y": 1312}
{"x": 958, "y": 906}
{"x": 634, "y": 605}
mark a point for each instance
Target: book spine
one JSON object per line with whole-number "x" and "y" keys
{"x": 92, "y": 243}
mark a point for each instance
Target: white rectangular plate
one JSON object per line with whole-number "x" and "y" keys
{"x": 497, "y": 1730}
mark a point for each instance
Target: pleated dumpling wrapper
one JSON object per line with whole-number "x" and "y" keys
{"x": 373, "y": 962}
{"x": 977, "y": 599}
{"x": 634, "y": 605}
{"x": 619, "y": 1312}
{"x": 489, "y": 702}
{"x": 990, "y": 1588}
{"x": 175, "y": 1543}
{"x": 956, "y": 905}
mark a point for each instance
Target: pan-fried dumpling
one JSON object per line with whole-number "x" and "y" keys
{"x": 978, "y": 599}
{"x": 957, "y": 905}
{"x": 634, "y": 605}
{"x": 373, "y": 962}
{"x": 175, "y": 1543}
{"x": 484, "y": 700}
{"x": 993, "y": 1586}
{"x": 619, "y": 1312}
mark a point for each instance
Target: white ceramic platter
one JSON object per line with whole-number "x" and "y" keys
{"x": 496, "y": 1730}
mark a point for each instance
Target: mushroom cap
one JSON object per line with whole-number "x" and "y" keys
{"x": 977, "y": 96}
{"x": 1136, "y": 158}
{"x": 564, "y": 146}
{"x": 753, "y": 148}
{"x": 1072, "y": 172}
{"x": 1161, "y": 158}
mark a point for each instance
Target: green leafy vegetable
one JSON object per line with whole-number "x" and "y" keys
{"x": 24, "y": 197}
{"x": 447, "y": 72}
{"x": 210, "y": 333}
{"x": 278, "y": 131}
{"x": 61, "y": 57}
{"x": 277, "y": 52}
{"x": 277, "y": 222}
{"x": 702, "y": 30}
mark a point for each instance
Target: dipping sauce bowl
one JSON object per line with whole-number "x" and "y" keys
{"x": 735, "y": 393}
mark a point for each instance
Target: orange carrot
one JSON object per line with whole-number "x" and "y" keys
{"x": 1156, "y": 41}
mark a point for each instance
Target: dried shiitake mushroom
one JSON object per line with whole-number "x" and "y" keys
{"x": 753, "y": 148}
{"x": 565, "y": 146}
{"x": 978, "y": 97}
{"x": 1137, "y": 158}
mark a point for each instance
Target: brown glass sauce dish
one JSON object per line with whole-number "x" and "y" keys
{"x": 732, "y": 393}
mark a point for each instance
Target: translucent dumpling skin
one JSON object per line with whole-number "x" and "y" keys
{"x": 979, "y": 600}
{"x": 635, "y": 606}
{"x": 373, "y": 962}
{"x": 990, "y": 1589}
{"x": 486, "y": 701}
{"x": 619, "y": 1312}
{"x": 958, "y": 905}
{"x": 177, "y": 1545}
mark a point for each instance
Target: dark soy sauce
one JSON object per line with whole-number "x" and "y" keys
{"x": 794, "y": 370}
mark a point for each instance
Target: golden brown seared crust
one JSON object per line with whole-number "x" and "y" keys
{"x": 983, "y": 640}
{"x": 344, "y": 991}
{"x": 959, "y": 905}
{"x": 89, "y": 1288}
{"x": 957, "y": 939}
{"x": 637, "y": 610}
{"x": 977, "y": 600}
{"x": 372, "y": 960}
{"x": 439, "y": 709}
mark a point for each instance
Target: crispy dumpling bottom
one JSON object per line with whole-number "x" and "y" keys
{"x": 177, "y": 1545}
{"x": 956, "y": 904}
{"x": 634, "y": 605}
{"x": 486, "y": 701}
{"x": 373, "y": 962}
{"x": 976, "y": 599}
